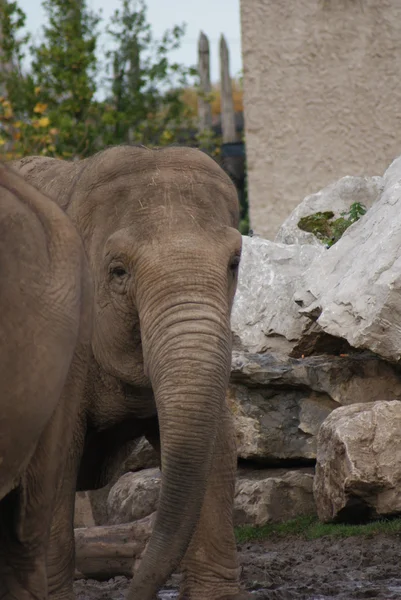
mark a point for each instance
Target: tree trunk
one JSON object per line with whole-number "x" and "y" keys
{"x": 111, "y": 550}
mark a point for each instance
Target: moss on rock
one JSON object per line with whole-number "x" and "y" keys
{"x": 327, "y": 229}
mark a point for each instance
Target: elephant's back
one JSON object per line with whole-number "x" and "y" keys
{"x": 39, "y": 317}
{"x": 52, "y": 176}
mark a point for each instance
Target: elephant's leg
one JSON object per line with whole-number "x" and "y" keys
{"x": 25, "y": 517}
{"x": 61, "y": 552}
{"x": 22, "y": 565}
{"x": 210, "y": 567}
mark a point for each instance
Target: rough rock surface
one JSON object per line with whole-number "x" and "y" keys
{"x": 358, "y": 470}
{"x": 274, "y": 495}
{"x": 262, "y": 495}
{"x": 134, "y": 496}
{"x": 336, "y": 197}
{"x": 276, "y": 425}
{"x": 354, "y": 289}
{"x": 141, "y": 455}
{"x": 265, "y": 316}
{"x": 279, "y": 404}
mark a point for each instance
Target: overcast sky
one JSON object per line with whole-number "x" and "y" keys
{"x": 212, "y": 16}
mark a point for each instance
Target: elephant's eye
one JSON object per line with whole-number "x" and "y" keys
{"x": 118, "y": 272}
{"x": 234, "y": 263}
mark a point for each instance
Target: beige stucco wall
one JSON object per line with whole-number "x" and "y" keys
{"x": 322, "y": 97}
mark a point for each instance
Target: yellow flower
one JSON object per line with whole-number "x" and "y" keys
{"x": 44, "y": 122}
{"x": 37, "y": 90}
{"x": 40, "y": 108}
{"x": 166, "y": 136}
{"x": 2, "y": 142}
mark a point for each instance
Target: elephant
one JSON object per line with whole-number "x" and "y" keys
{"x": 46, "y": 328}
{"x": 160, "y": 231}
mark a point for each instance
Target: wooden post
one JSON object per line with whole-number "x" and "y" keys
{"x": 204, "y": 106}
{"x": 227, "y": 101}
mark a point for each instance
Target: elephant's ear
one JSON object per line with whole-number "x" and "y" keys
{"x": 104, "y": 452}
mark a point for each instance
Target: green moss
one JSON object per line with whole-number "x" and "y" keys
{"x": 327, "y": 230}
{"x": 318, "y": 223}
{"x": 310, "y": 528}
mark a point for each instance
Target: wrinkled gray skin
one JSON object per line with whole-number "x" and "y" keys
{"x": 45, "y": 333}
{"x": 160, "y": 232}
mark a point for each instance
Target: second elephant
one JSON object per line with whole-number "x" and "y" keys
{"x": 45, "y": 333}
{"x": 160, "y": 231}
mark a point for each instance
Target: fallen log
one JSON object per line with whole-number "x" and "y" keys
{"x": 108, "y": 551}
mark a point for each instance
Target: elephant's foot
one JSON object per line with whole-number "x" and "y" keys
{"x": 213, "y": 589}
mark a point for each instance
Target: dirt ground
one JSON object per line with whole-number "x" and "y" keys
{"x": 322, "y": 569}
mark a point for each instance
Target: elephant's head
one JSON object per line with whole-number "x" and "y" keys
{"x": 160, "y": 231}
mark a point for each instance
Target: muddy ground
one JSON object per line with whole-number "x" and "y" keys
{"x": 322, "y": 569}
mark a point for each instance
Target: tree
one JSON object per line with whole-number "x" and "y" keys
{"x": 190, "y": 97}
{"x": 52, "y": 108}
{"x": 17, "y": 86}
{"x": 64, "y": 68}
{"x": 24, "y": 126}
{"x": 145, "y": 102}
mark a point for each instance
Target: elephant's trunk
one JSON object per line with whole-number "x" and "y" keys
{"x": 187, "y": 350}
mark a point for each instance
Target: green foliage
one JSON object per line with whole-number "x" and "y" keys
{"x": 327, "y": 230}
{"x": 310, "y": 528}
{"x": 145, "y": 103}
{"x": 64, "y": 68}
{"x": 356, "y": 211}
{"x": 144, "y": 89}
{"x": 244, "y": 225}
{"x": 53, "y": 108}
{"x": 247, "y": 533}
{"x": 18, "y": 87}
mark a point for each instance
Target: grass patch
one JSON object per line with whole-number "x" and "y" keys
{"x": 310, "y": 528}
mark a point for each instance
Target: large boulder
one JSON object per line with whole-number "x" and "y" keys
{"x": 134, "y": 496}
{"x": 358, "y": 470}
{"x": 336, "y": 198}
{"x": 354, "y": 289}
{"x": 265, "y": 316}
{"x": 279, "y": 403}
{"x": 139, "y": 454}
{"x": 276, "y": 495}
{"x": 261, "y": 496}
